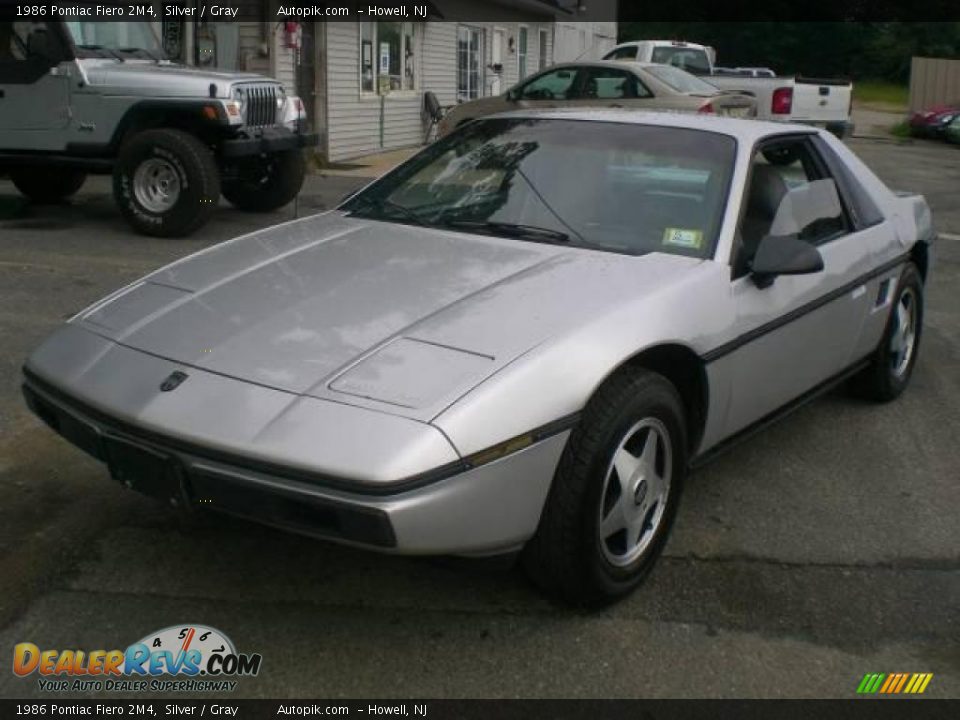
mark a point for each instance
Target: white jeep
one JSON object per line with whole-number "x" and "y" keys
{"x": 100, "y": 97}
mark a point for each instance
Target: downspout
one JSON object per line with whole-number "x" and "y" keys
{"x": 383, "y": 98}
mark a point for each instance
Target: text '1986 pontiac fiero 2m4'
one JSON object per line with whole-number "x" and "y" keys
{"x": 521, "y": 338}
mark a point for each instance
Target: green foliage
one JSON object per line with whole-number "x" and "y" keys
{"x": 900, "y": 130}
{"x": 860, "y": 50}
{"x": 873, "y": 92}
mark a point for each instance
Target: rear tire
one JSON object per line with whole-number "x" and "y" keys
{"x": 615, "y": 492}
{"x": 166, "y": 182}
{"x": 267, "y": 183}
{"x": 893, "y": 361}
{"x": 48, "y": 185}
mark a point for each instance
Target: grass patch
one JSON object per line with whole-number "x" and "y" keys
{"x": 900, "y": 130}
{"x": 881, "y": 93}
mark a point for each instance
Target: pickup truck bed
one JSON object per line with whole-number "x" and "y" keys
{"x": 813, "y": 101}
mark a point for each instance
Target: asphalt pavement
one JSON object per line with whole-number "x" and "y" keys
{"x": 825, "y": 548}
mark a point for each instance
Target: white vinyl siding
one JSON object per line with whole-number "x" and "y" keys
{"x": 250, "y": 58}
{"x": 354, "y": 117}
{"x": 582, "y": 40}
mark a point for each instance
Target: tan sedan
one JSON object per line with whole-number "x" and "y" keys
{"x": 641, "y": 86}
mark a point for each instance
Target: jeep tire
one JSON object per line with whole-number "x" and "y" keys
{"x": 46, "y": 185}
{"x": 266, "y": 183}
{"x": 166, "y": 182}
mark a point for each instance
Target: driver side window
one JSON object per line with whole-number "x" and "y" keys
{"x": 554, "y": 85}
{"x": 790, "y": 192}
{"x": 27, "y": 50}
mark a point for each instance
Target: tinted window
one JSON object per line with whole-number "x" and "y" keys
{"x": 624, "y": 53}
{"x": 553, "y": 85}
{"x": 611, "y": 84}
{"x": 614, "y": 186}
{"x": 692, "y": 60}
{"x": 862, "y": 206}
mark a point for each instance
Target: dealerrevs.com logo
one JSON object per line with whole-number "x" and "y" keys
{"x": 180, "y": 658}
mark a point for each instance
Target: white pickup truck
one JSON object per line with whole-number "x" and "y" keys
{"x": 812, "y": 101}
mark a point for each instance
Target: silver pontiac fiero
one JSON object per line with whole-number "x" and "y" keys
{"x": 522, "y": 338}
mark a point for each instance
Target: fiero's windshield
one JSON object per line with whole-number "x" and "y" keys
{"x": 621, "y": 187}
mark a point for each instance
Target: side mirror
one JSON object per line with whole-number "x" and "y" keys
{"x": 513, "y": 95}
{"x": 783, "y": 255}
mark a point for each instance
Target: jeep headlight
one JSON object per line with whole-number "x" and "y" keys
{"x": 239, "y": 97}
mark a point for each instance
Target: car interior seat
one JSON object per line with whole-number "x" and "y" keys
{"x": 767, "y": 190}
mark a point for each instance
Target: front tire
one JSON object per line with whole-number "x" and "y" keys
{"x": 166, "y": 182}
{"x": 615, "y": 493}
{"x": 267, "y": 183}
{"x": 894, "y": 359}
{"x": 47, "y": 186}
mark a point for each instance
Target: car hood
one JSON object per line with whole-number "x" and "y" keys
{"x": 165, "y": 79}
{"x": 371, "y": 313}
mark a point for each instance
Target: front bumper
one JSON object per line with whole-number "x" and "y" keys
{"x": 485, "y": 510}
{"x": 270, "y": 140}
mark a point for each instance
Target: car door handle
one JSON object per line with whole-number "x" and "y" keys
{"x": 3, "y": 94}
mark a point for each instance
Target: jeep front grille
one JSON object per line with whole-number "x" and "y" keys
{"x": 260, "y": 105}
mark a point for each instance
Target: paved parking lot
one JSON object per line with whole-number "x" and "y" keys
{"x": 825, "y": 548}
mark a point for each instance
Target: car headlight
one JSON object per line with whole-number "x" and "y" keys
{"x": 239, "y": 97}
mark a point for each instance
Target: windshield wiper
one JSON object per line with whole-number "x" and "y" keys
{"x": 102, "y": 48}
{"x": 514, "y": 230}
{"x": 134, "y": 50}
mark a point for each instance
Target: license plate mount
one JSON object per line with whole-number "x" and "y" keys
{"x": 144, "y": 470}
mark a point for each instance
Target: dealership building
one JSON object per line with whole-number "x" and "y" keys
{"x": 363, "y": 82}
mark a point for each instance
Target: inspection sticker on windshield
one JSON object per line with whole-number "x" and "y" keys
{"x": 681, "y": 237}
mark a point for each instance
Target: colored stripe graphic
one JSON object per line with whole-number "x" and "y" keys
{"x": 870, "y": 683}
{"x": 894, "y": 683}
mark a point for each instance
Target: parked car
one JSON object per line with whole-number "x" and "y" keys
{"x": 825, "y": 103}
{"x": 639, "y": 86}
{"x": 522, "y": 337}
{"x": 100, "y": 97}
{"x": 932, "y": 122}
{"x": 952, "y": 131}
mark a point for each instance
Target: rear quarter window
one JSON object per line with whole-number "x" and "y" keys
{"x": 861, "y": 204}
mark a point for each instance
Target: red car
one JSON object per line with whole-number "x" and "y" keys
{"x": 931, "y": 122}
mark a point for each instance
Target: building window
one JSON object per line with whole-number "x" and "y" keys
{"x": 387, "y": 57}
{"x": 469, "y": 62}
{"x": 544, "y": 59}
{"x": 522, "y": 52}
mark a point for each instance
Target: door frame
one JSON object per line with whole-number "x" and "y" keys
{"x": 497, "y": 32}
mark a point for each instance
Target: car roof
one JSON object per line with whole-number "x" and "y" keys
{"x": 747, "y": 130}
{"x": 604, "y": 63}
